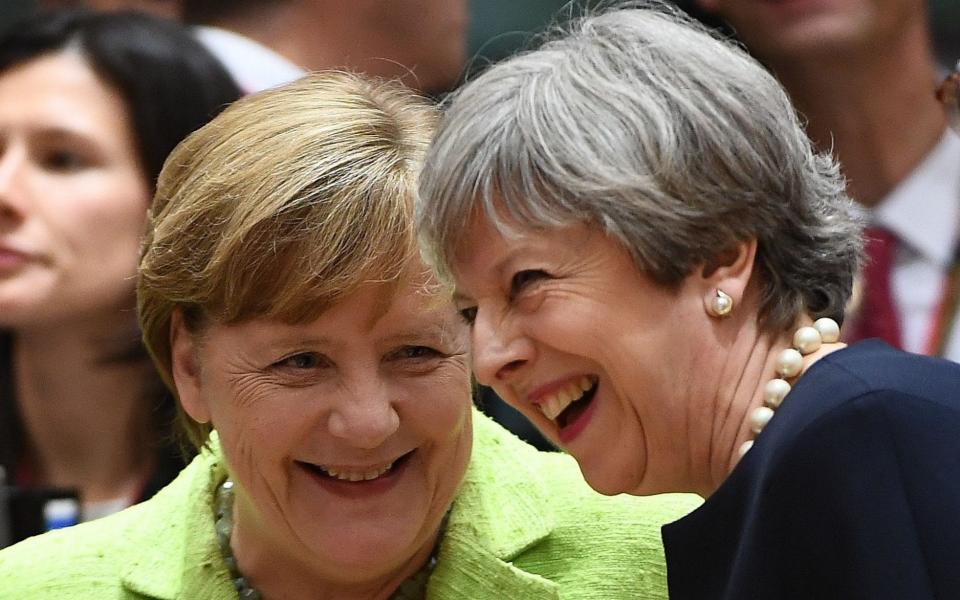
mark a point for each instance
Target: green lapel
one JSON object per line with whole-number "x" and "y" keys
{"x": 501, "y": 511}
{"x": 183, "y": 560}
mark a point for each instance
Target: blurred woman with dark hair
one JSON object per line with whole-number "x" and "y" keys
{"x": 90, "y": 106}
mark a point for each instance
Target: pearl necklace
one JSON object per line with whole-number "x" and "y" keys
{"x": 413, "y": 588}
{"x": 806, "y": 340}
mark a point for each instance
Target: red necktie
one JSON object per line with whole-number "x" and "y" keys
{"x": 877, "y": 316}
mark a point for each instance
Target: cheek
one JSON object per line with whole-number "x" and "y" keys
{"x": 105, "y": 219}
{"x": 445, "y": 424}
{"x": 259, "y": 421}
{"x": 582, "y": 327}
{"x": 438, "y": 406}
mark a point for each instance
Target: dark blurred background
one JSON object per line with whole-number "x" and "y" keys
{"x": 500, "y": 26}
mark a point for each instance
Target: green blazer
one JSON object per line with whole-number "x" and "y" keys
{"x": 523, "y": 525}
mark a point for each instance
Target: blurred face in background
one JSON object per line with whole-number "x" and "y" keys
{"x": 428, "y": 36}
{"x": 72, "y": 194}
{"x": 161, "y": 8}
{"x": 784, "y": 29}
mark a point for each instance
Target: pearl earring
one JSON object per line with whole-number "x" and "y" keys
{"x": 720, "y": 305}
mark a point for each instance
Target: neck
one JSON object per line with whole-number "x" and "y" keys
{"x": 300, "y": 32}
{"x": 278, "y": 574}
{"x": 875, "y": 110}
{"x": 320, "y": 36}
{"x": 85, "y": 420}
{"x": 750, "y": 363}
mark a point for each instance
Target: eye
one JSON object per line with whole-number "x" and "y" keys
{"x": 469, "y": 314}
{"x": 301, "y": 361}
{"x": 64, "y": 161}
{"x": 524, "y": 279}
{"x": 416, "y": 353}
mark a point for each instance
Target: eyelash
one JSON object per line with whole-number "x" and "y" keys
{"x": 290, "y": 361}
{"x": 315, "y": 361}
{"x": 518, "y": 283}
{"x": 524, "y": 279}
{"x": 64, "y": 161}
{"x": 421, "y": 353}
{"x": 469, "y": 314}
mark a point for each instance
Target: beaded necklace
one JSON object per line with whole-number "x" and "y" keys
{"x": 806, "y": 340}
{"x": 413, "y": 588}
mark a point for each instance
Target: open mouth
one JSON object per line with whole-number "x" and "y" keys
{"x": 357, "y": 476}
{"x": 566, "y": 405}
{"x": 577, "y": 407}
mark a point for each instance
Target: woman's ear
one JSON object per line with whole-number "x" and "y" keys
{"x": 724, "y": 278}
{"x": 185, "y": 364}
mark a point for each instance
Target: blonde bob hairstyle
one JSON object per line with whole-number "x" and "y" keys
{"x": 281, "y": 206}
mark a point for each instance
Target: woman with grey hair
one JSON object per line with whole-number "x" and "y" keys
{"x": 654, "y": 261}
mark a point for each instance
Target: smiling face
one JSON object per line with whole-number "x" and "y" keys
{"x": 784, "y": 29}
{"x": 346, "y": 437}
{"x": 72, "y": 194}
{"x": 593, "y": 352}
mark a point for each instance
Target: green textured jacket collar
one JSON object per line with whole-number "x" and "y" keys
{"x": 500, "y": 511}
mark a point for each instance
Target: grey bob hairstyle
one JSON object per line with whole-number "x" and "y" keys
{"x": 673, "y": 141}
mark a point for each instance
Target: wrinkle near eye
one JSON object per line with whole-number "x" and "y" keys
{"x": 250, "y": 388}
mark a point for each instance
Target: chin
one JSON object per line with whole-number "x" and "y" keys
{"x": 606, "y": 483}
{"x": 371, "y": 544}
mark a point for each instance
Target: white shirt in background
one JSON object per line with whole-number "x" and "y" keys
{"x": 253, "y": 66}
{"x": 924, "y": 212}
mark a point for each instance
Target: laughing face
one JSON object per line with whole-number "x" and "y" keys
{"x": 567, "y": 330}
{"x": 346, "y": 438}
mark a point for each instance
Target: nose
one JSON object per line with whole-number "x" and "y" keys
{"x": 12, "y": 194}
{"x": 499, "y": 350}
{"x": 365, "y": 415}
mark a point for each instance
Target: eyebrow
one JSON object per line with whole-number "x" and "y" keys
{"x": 498, "y": 268}
{"x": 55, "y": 132}
{"x": 426, "y": 332}
{"x": 286, "y": 341}
{"x": 459, "y": 296}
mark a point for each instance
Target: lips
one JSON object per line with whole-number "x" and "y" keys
{"x": 568, "y": 404}
{"x": 356, "y": 474}
{"x": 555, "y": 399}
{"x": 11, "y": 259}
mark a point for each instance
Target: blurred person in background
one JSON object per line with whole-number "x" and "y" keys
{"x": 421, "y": 42}
{"x": 863, "y": 74}
{"x": 90, "y": 106}
{"x": 168, "y": 9}
{"x": 323, "y": 374}
{"x": 264, "y": 44}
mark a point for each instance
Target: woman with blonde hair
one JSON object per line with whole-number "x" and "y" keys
{"x": 322, "y": 373}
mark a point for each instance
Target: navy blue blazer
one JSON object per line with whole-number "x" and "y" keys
{"x": 852, "y": 491}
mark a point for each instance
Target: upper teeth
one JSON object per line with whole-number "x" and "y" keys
{"x": 355, "y": 475}
{"x": 556, "y": 403}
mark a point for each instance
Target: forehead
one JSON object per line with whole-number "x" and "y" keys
{"x": 376, "y": 311}
{"x": 487, "y": 252}
{"x": 60, "y": 90}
